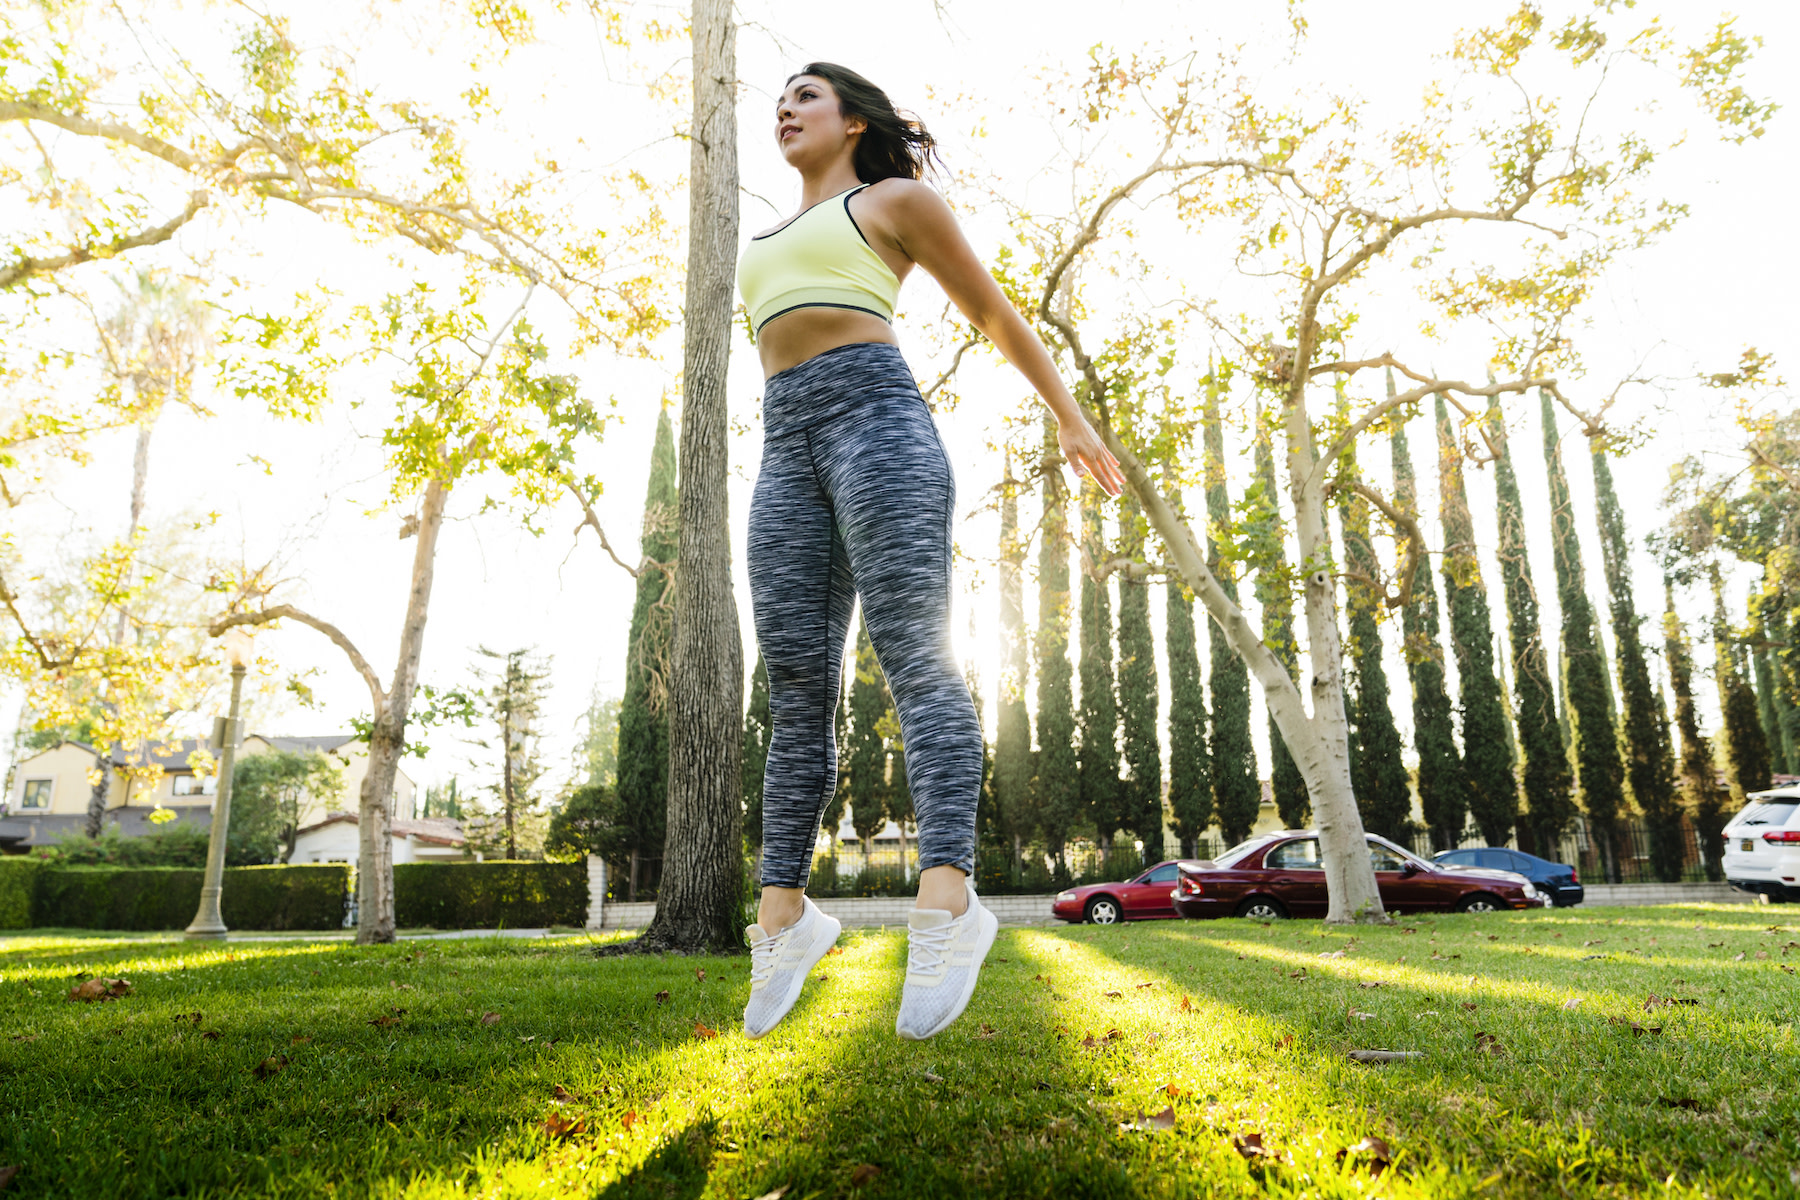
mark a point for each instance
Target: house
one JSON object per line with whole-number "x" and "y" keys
{"x": 50, "y": 790}
{"x": 334, "y": 838}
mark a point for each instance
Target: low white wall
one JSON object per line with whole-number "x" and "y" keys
{"x": 1614, "y": 895}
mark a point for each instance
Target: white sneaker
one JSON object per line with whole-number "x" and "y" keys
{"x": 943, "y": 961}
{"x": 779, "y": 965}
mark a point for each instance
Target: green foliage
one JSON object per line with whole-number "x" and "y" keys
{"x": 1649, "y": 757}
{"x": 148, "y": 898}
{"x": 597, "y": 749}
{"x": 757, "y": 726}
{"x": 1190, "y": 762}
{"x": 1143, "y": 803}
{"x": 1548, "y": 783}
{"x": 490, "y": 895}
{"x": 1056, "y": 786}
{"x": 1704, "y": 797}
{"x": 181, "y": 844}
{"x": 1486, "y": 736}
{"x": 1237, "y": 795}
{"x": 268, "y": 793}
{"x": 1262, "y": 525}
{"x": 1010, "y": 810}
{"x": 18, "y": 884}
{"x": 1746, "y": 744}
{"x": 1097, "y": 758}
{"x": 589, "y": 821}
{"x": 1378, "y": 775}
{"x": 1443, "y": 783}
{"x": 868, "y": 751}
{"x": 643, "y": 715}
{"x": 1598, "y": 770}
{"x": 510, "y": 697}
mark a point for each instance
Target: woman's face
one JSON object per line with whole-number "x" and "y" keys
{"x": 810, "y": 127}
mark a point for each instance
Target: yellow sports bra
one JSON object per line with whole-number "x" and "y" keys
{"x": 820, "y": 259}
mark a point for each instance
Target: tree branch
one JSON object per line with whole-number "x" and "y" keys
{"x": 1415, "y": 543}
{"x": 25, "y": 267}
{"x": 282, "y": 612}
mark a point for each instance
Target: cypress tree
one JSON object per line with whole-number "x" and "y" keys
{"x": 1649, "y": 758}
{"x": 1190, "y": 763}
{"x": 1237, "y": 794}
{"x": 1766, "y": 616}
{"x": 1487, "y": 736}
{"x": 1098, "y": 756}
{"x": 1763, "y": 679}
{"x": 1548, "y": 782}
{"x": 1056, "y": 788}
{"x": 1778, "y": 616}
{"x": 643, "y": 787}
{"x": 1011, "y": 789}
{"x": 1668, "y": 845}
{"x": 757, "y": 724}
{"x": 1596, "y": 738}
{"x": 1746, "y": 745}
{"x": 1138, "y": 692}
{"x": 1378, "y": 776}
{"x": 868, "y": 750}
{"x": 832, "y": 819}
{"x": 1443, "y": 785}
{"x": 1699, "y": 776}
{"x": 1263, "y": 515}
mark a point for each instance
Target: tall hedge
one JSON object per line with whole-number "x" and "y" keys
{"x": 1190, "y": 762}
{"x": 18, "y": 883}
{"x": 309, "y": 896}
{"x": 1010, "y": 813}
{"x": 1377, "y": 771}
{"x": 490, "y": 895}
{"x": 1102, "y": 793}
{"x": 1237, "y": 795}
{"x": 1138, "y": 692}
{"x": 1056, "y": 785}
{"x": 1263, "y": 513}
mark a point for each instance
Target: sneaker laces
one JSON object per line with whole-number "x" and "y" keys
{"x": 925, "y": 948}
{"x": 763, "y": 954}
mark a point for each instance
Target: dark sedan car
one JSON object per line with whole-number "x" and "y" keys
{"x": 1559, "y": 881}
{"x": 1144, "y": 896}
{"x": 1282, "y": 875}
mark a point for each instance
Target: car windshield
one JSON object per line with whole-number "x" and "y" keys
{"x": 1242, "y": 851}
{"x": 1768, "y": 812}
{"x": 1392, "y": 856}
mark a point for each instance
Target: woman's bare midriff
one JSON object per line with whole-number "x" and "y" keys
{"x": 792, "y": 338}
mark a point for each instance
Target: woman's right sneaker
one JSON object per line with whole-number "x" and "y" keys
{"x": 943, "y": 962}
{"x": 780, "y": 963}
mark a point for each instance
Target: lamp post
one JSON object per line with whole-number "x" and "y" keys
{"x": 207, "y": 922}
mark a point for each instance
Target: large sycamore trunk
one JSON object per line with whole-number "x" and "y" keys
{"x": 375, "y": 860}
{"x": 699, "y": 900}
{"x": 1320, "y": 741}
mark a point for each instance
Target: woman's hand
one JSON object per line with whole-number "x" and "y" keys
{"x": 1084, "y": 450}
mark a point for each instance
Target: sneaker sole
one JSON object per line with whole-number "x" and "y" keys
{"x": 990, "y": 929}
{"x": 822, "y": 946}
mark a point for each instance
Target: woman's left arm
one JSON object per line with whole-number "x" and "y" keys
{"x": 926, "y": 231}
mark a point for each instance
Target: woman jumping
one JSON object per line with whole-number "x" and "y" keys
{"x": 856, "y": 498}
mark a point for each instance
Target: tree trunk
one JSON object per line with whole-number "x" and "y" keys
{"x": 96, "y": 809}
{"x": 375, "y": 861}
{"x": 506, "y": 766}
{"x": 1320, "y": 743}
{"x": 697, "y": 903}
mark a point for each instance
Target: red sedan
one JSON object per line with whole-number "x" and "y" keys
{"x": 1281, "y": 875}
{"x": 1149, "y": 895}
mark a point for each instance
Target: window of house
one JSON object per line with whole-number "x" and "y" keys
{"x": 194, "y": 785}
{"x": 37, "y": 793}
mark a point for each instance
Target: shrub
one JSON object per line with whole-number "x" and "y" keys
{"x": 180, "y": 845}
{"x": 152, "y": 898}
{"x": 490, "y": 895}
{"x": 18, "y": 880}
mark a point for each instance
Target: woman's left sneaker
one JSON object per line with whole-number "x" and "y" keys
{"x": 779, "y": 964}
{"x": 943, "y": 961}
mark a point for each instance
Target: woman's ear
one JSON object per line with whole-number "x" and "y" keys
{"x": 855, "y": 125}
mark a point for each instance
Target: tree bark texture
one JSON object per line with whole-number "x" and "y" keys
{"x": 698, "y": 901}
{"x": 375, "y": 861}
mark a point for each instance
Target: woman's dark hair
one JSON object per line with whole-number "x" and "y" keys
{"x": 895, "y": 145}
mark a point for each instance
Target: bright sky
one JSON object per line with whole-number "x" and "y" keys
{"x": 1721, "y": 282}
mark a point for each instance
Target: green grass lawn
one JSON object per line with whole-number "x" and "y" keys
{"x": 433, "y": 1068}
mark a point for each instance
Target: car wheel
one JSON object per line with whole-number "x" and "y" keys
{"x": 1480, "y": 902}
{"x": 1104, "y": 911}
{"x": 1262, "y": 908}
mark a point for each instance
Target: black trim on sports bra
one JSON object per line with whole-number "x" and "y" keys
{"x": 759, "y": 237}
{"x": 853, "y": 224}
{"x": 819, "y": 304}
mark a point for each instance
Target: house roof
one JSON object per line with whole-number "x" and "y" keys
{"x": 436, "y": 831}
{"x": 329, "y": 741}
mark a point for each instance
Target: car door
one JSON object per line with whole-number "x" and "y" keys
{"x": 1148, "y": 894}
{"x": 1294, "y": 874}
{"x": 1400, "y": 892}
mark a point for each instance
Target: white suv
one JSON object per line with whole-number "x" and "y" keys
{"x": 1762, "y": 846}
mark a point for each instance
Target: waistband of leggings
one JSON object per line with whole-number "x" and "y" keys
{"x": 833, "y": 383}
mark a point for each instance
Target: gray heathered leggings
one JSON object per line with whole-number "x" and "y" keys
{"x": 855, "y": 497}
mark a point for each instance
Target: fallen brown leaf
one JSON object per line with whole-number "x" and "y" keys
{"x": 178, "y": 1018}
{"x": 490, "y": 1018}
{"x": 703, "y": 1032}
{"x": 299, "y": 1039}
{"x": 91, "y": 990}
{"x": 1683, "y": 1102}
{"x": 1171, "y": 1090}
{"x": 1636, "y": 1029}
{"x": 6, "y": 1174}
{"x": 699, "y": 974}
{"x": 1468, "y": 1007}
{"x": 272, "y": 1065}
{"x": 662, "y": 997}
{"x": 821, "y": 977}
{"x": 562, "y": 1095}
{"x": 1488, "y": 1044}
{"x": 629, "y": 1119}
{"x": 840, "y": 950}
{"x": 1115, "y": 995}
{"x": 1284, "y": 1042}
{"x": 987, "y": 1032}
{"x": 1151, "y": 1124}
{"x": 558, "y": 1126}
{"x": 1251, "y": 1146}
{"x": 863, "y": 1173}
{"x": 1151, "y": 983}
{"x": 1380, "y": 1156}
{"x": 384, "y": 1022}
{"x": 211, "y": 1035}
{"x": 1369, "y": 983}
{"x": 1186, "y": 1004}
{"x": 26, "y": 1037}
